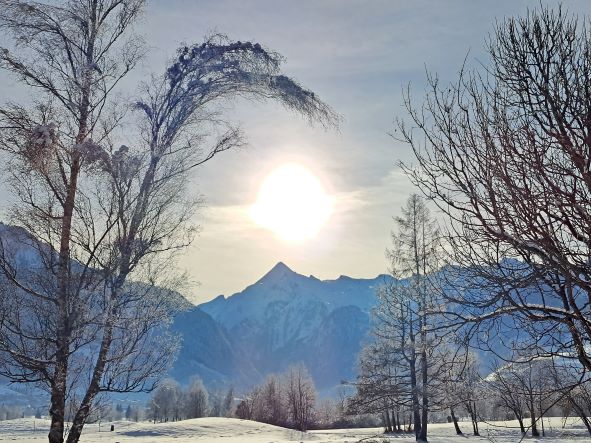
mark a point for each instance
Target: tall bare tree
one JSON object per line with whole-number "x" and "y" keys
{"x": 102, "y": 216}
{"x": 505, "y": 152}
{"x": 408, "y": 309}
{"x": 576, "y": 390}
{"x": 73, "y": 55}
{"x": 416, "y": 255}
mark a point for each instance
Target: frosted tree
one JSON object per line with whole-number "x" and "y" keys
{"x": 467, "y": 385}
{"x": 301, "y": 397}
{"x": 71, "y": 56}
{"x": 459, "y": 386}
{"x": 398, "y": 367}
{"x": 383, "y": 384}
{"x": 196, "y": 400}
{"x": 285, "y": 400}
{"x": 166, "y": 401}
{"x": 406, "y": 312}
{"x": 576, "y": 390}
{"x": 250, "y": 406}
{"x": 221, "y": 405}
{"x": 105, "y": 208}
{"x": 274, "y": 399}
{"x": 228, "y": 404}
{"x": 529, "y": 387}
{"x": 266, "y": 403}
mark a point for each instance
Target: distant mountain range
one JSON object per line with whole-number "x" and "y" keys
{"x": 286, "y": 318}
{"x": 282, "y": 319}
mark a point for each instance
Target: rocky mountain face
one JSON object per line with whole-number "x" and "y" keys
{"x": 282, "y": 319}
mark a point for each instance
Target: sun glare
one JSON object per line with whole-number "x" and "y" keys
{"x": 292, "y": 203}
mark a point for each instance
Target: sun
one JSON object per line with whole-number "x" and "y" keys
{"x": 292, "y": 203}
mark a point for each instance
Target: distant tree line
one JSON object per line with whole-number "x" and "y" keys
{"x": 290, "y": 400}
{"x": 11, "y": 412}
{"x": 287, "y": 400}
{"x": 171, "y": 402}
{"x": 109, "y": 412}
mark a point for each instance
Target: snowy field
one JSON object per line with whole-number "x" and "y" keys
{"x": 230, "y": 430}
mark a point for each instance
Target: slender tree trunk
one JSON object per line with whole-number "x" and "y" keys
{"x": 471, "y": 407}
{"x": 94, "y": 386}
{"x": 582, "y": 414}
{"x": 455, "y": 420}
{"x": 534, "y": 425}
{"x": 586, "y": 422}
{"x": 59, "y": 384}
{"x": 387, "y": 422}
{"x": 542, "y": 418}
{"x": 475, "y": 426}
{"x": 425, "y": 405}
{"x": 415, "y": 398}
{"x": 60, "y": 374}
{"x": 58, "y": 396}
{"x": 521, "y": 425}
{"x": 424, "y": 372}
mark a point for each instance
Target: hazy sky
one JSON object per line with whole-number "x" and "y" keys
{"x": 358, "y": 56}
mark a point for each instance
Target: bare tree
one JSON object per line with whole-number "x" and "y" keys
{"x": 102, "y": 216}
{"x": 505, "y": 153}
{"x": 267, "y": 402}
{"x": 526, "y": 388}
{"x": 251, "y": 405}
{"x": 286, "y": 400}
{"x": 505, "y": 390}
{"x": 382, "y": 385}
{"x": 398, "y": 367}
{"x": 578, "y": 398}
{"x": 74, "y": 56}
{"x": 468, "y": 382}
{"x": 407, "y": 310}
{"x": 221, "y": 405}
{"x": 196, "y": 400}
{"x": 301, "y": 397}
{"x": 274, "y": 402}
{"x": 459, "y": 385}
{"x": 166, "y": 401}
{"x": 228, "y": 404}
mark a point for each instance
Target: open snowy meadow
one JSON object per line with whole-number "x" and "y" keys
{"x": 230, "y": 430}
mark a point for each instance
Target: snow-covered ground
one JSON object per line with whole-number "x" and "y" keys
{"x": 229, "y": 430}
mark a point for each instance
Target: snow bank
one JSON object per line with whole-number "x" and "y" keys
{"x": 230, "y": 430}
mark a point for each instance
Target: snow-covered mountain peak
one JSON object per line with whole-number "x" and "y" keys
{"x": 282, "y": 292}
{"x": 278, "y": 273}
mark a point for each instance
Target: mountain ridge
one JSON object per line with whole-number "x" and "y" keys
{"x": 282, "y": 319}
